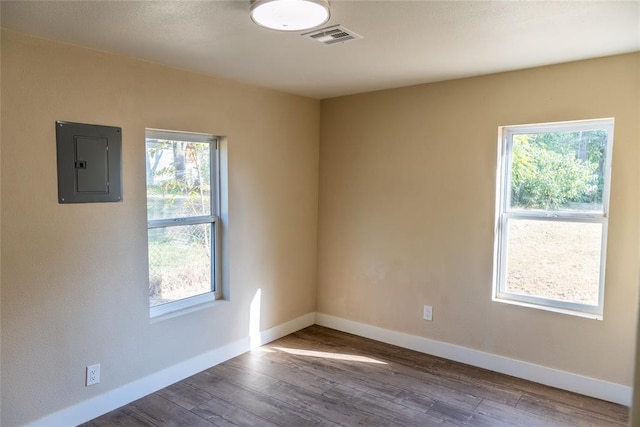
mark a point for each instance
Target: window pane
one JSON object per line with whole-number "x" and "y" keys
{"x": 555, "y": 260}
{"x": 178, "y": 179}
{"x": 559, "y": 171}
{"x": 179, "y": 262}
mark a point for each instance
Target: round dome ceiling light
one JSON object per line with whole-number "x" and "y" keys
{"x": 290, "y": 15}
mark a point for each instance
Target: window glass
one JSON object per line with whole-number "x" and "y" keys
{"x": 179, "y": 262}
{"x": 178, "y": 179}
{"x": 558, "y": 170}
{"x": 557, "y": 260}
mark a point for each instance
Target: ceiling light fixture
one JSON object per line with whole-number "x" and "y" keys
{"x": 290, "y": 15}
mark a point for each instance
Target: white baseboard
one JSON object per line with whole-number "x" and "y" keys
{"x": 96, "y": 406}
{"x": 552, "y": 377}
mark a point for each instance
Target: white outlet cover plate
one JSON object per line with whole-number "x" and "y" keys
{"x": 93, "y": 374}
{"x": 427, "y": 312}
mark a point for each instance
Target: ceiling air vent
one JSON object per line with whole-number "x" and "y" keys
{"x": 332, "y": 35}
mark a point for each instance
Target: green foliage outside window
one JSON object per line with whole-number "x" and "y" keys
{"x": 554, "y": 171}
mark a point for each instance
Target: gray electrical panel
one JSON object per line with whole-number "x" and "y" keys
{"x": 89, "y": 163}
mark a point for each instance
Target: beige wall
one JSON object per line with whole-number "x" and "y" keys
{"x": 635, "y": 408}
{"x": 74, "y": 277}
{"x": 0, "y": 228}
{"x": 407, "y": 193}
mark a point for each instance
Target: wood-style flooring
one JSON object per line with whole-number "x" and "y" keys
{"x": 320, "y": 376}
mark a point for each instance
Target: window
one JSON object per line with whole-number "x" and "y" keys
{"x": 551, "y": 216}
{"x": 182, "y": 219}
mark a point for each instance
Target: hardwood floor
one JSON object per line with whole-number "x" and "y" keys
{"x": 319, "y": 376}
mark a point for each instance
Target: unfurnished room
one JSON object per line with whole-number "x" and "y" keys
{"x": 312, "y": 212}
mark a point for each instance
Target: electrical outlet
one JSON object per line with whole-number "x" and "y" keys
{"x": 427, "y": 312}
{"x": 93, "y": 375}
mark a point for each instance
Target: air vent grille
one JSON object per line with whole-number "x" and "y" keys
{"x": 332, "y": 35}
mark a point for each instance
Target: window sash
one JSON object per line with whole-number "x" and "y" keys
{"x": 540, "y": 302}
{"x": 216, "y": 277}
{"x": 506, "y": 162}
{"x": 214, "y": 162}
{"x": 189, "y": 220}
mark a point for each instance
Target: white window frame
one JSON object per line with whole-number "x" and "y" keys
{"x": 213, "y": 219}
{"x": 504, "y": 213}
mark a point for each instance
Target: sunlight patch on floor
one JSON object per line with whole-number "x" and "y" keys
{"x": 262, "y": 350}
{"x": 326, "y": 355}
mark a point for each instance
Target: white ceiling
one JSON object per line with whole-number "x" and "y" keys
{"x": 405, "y": 42}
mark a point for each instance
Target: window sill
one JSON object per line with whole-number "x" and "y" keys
{"x": 559, "y": 310}
{"x": 182, "y": 307}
